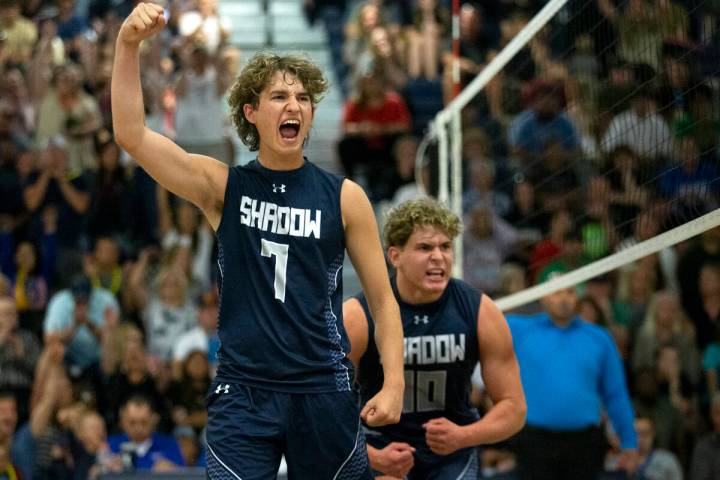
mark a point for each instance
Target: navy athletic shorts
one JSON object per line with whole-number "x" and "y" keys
{"x": 249, "y": 429}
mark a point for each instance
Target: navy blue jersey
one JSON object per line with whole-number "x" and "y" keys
{"x": 441, "y": 351}
{"x": 281, "y": 249}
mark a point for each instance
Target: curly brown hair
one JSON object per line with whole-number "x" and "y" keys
{"x": 401, "y": 221}
{"x": 256, "y": 75}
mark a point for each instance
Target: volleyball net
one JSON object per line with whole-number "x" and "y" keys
{"x": 591, "y": 131}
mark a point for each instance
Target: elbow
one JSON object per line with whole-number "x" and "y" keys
{"x": 519, "y": 417}
{"x": 129, "y": 137}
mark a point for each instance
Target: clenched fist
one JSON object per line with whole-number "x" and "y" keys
{"x": 145, "y": 21}
{"x": 385, "y": 407}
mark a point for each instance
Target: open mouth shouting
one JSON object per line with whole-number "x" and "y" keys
{"x": 435, "y": 274}
{"x": 290, "y": 130}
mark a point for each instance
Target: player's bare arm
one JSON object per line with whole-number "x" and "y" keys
{"x": 196, "y": 178}
{"x": 363, "y": 246}
{"x": 501, "y": 375}
{"x": 356, "y": 327}
{"x": 395, "y": 460}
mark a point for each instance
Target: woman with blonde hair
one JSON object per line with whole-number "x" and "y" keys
{"x": 666, "y": 324}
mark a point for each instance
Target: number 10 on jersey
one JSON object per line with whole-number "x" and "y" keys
{"x": 424, "y": 391}
{"x": 280, "y": 250}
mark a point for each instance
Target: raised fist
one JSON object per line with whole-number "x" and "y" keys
{"x": 145, "y": 21}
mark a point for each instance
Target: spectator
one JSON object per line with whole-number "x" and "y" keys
{"x": 651, "y": 403}
{"x": 700, "y": 121}
{"x": 20, "y": 33}
{"x": 542, "y": 122}
{"x": 641, "y": 129}
{"x": 372, "y": 120}
{"x": 90, "y": 450}
{"x": 525, "y": 212}
{"x": 630, "y": 192}
{"x": 705, "y": 314}
{"x": 188, "y": 393}
{"x": 132, "y": 378}
{"x": 589, "y": 310}
{"x": 545, "y": 251}
{"x": 654, "y": 463}
{"x": 202, "y": 338}
{"x": 167, "y": 310}
{"x": 383, "y": 55}
{"x": 184, "y": 232}
{"x": 200, "y": 91}
{"x": 482, "y": 192}
{"x": 150, "y": 450}
{"x": 69, "y": 24}
{"x": 77, "y": 316}
{"x": 102, "y": 266}
{"x": 19, "y": 353}
{"x": 704, "y": 249}
{"x": 204, "y": 25}
{"x": 110, "y": 212}
{"x": 706, "y": 456}
{"x": 666, "y": 325}
{"x": 569, "y": 368}
{"x": 693, "y": 183}
{"x": 67, "y": 110}
{"x": 55, "y": 186}
{"x": 33, "y": 274}
{"x": 487, "y": 241}
{"x": 431, "y": 23}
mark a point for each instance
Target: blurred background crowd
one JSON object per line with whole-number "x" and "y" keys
{"x": 600, "y": 134}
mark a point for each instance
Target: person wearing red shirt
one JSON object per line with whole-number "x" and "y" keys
{"x": 372, "y": 120}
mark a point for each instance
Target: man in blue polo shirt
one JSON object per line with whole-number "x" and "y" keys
{"x": 570, "y": 370}
{"x": 148, "y": 449}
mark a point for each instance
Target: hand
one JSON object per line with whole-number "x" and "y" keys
{"x": 146, "y": 20}
{"x": 384, "y": 408}
{"x": 628, "y": 460}
{"x": 162, "y": 465}
{"x": 443, "y": 436}
{"x": 395, "y": 460}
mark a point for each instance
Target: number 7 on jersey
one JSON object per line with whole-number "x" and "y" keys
{"x": 280, "y": 250}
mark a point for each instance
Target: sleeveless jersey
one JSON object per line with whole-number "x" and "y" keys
{"x": 281, "y": 250}
{"x": 441, "y": 351}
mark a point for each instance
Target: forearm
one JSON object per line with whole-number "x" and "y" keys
{"x": 503, "y": 420}
{"x": 389, "y": 340}
{"x": 35, "y": 193}
{"x": 79, "y": 201}
{"x": 128, "y": 111}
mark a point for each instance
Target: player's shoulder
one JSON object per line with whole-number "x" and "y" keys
{"x": 465, "y": 292}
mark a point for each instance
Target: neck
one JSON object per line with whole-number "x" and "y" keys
{"x": 561, "y": 322}
{"x": 413, "y": 295}
{"x": 274, "y": 161}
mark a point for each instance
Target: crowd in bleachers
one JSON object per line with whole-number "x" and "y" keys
{"x": 600, "y": 134}
{"x": 108, "y": 294}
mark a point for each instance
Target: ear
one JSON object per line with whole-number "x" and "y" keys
{"x": 393, "y": 254}
{"x": 249, "y": 112}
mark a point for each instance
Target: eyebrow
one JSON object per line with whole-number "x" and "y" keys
{"x": 286, "y": 91}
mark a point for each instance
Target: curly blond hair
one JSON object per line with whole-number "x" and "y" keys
{"x": 256, "y": 75}
{"x": 402, "y": 220}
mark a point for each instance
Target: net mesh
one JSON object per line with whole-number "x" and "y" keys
{"x": 600, "y": 133}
